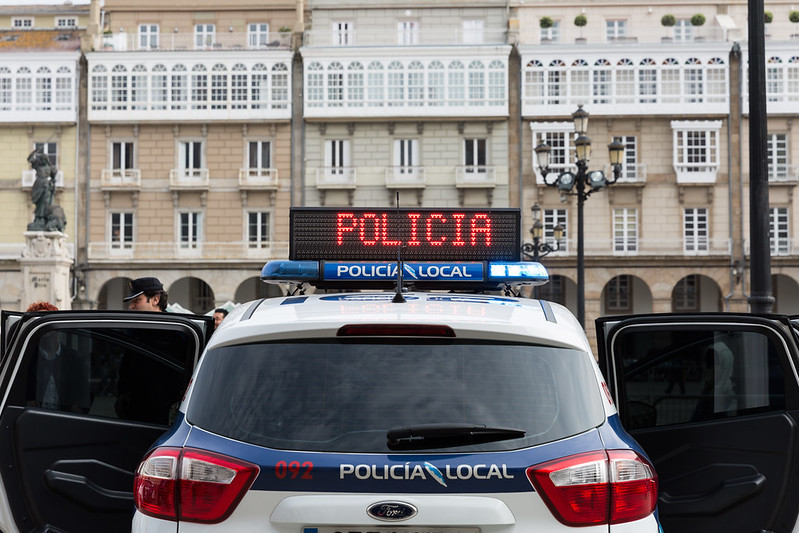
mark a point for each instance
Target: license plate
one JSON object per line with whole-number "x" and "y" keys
{"x": 389, "y": 529}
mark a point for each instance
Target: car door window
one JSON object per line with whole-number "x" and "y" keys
{"x": 126, "y": 373}
{"x": 693, "y": 375}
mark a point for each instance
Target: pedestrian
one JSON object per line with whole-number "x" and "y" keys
{"x": 146, "y": 294}
{"x": 219, "y": 314}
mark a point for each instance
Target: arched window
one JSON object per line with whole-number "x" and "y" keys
{"x": 534, "y": 83}
{"x": 280, "y": 86}
{"x": 670, "y": 81}
{"x": 792, "y": 75}
{"x": 496, "y": 83}
{"x": 456, "y": 81}
{"x": 315, "y": 90}
{"x": 119, "y": 88}
{"x": 416, "y": 83}
{"x": 335, "y": 84}
{"x": 199, "y": 87}
{"x": 694, "y": 80}
{"x": 396, "y": 84}
{"x": 219, "y": 87}
{"x": 435, "y": 84}
{"x": 601, "y": 87}
{"x": 138, "y": 87}
{"x": 556, "y": 82}
{"x": 159, "y": 81}
{"x": 775, "y": 80}
{"x": 260, "y": 86}
{"x": 99, "y": 88}
{"x": 238, "y": 86}
{"x": 625, "y": 82}
{"x": 355, "y": 84}
{"x": 6, "y": 89}
{"x": 579, "y": 82}
{"x": 647, "y": 81}
{"x": 375, "y": 84}
{"x": 716, "y": 75}
{"x": 477, "y": 83}
{"x": 63, "y": 88}
{"x": 180, "y": 87}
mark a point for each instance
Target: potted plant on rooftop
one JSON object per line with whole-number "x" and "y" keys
{"x": 668, "y": 21}
{"x": 545, "y": 23}
{"x": 793, "y": 16}
{"x": 580, "y": 21}
{"x": 698, "y": 21}
{"x": 768, "y": 16}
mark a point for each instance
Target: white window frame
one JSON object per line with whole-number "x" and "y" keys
{"x": 189, "y": 150}
{"x": 263, "y": 152}
{"x": 407, "y": 32}
{"x": 615, "y": 29}
{"x": 683, "y": 30}
{"x": 337, "y": 158}
{"x": 189, "y": 230}
{"x": 66, "y": 23}
{"x": 473, "y": 31}
{"x": 343, "y": 33}
{"x": 477, "y": 147}
{"x": 630, "y": 170}
{"x": 625, "y": 230}
{"x": 696, "y": 230}
{"x": 779, "y": 231}
{"x": 552, "y": 218}
{"x": 127, "y": 154}
{"x": 551, "y": 34}
{"x": 50, "y": 149}
{"x": 258, "y": 34}
{"x": 263, "y": 237}
{"x": 697, "y": 150}
{"x": 778, "y": 156}
{"x": 149, "y": 36}
{"x": 120, "y": 221}
{"x": 22, "y": 23}
{"x": 204, "y": 36}
{"x": 559, "y": 136}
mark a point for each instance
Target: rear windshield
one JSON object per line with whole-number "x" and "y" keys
{"x": 338, "y": 397}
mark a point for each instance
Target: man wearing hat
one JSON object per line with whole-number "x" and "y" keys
{"x": 146, "y": 294}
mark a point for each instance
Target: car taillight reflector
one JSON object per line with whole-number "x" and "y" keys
{"x": 191, "y": 485}
{"x": 597, "y": 487}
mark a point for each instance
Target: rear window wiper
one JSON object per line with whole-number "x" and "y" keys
{"x": 427, "y": 436}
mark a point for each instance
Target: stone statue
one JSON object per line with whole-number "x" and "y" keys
{"x": 46, "y": 216}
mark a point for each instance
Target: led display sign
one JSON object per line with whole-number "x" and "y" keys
{"x": 337, "y": 234}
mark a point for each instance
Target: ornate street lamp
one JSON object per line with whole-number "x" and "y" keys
{"x": 582, "y": 185}
{"x": 537, "y": 249}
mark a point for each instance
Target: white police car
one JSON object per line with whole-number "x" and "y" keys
{"x": 398, "y": 411}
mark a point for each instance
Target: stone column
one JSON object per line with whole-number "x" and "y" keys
{"x": 45, "y": 264}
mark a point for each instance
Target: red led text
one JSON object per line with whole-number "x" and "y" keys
{"x": 430, "y": 229}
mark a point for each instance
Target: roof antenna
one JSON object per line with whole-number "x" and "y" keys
{"x": 398, "y": 298}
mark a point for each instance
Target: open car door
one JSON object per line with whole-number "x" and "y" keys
{"x": 84, "y": 395}
{"x": 713, "y": 399}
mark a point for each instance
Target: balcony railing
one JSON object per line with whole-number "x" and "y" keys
{"x": 475, "y": 176}
{"x": 677, "y": 246}
{"x": 335, "y": 177}
{"x": 393, "y": 37}
{"x": 258, "y": 178}
{"x": 164, "y": 251}
{"x": 405, "y": 177}
{"x": 29, "y": 176}
{"x": 189, "y": 179}
{"x": 131, "y": 42}
{"x": 696, "y": 173}
{"x": 783, "y": 174}
{"x": 118, "y": 179}
{"x": 629, "y": 173}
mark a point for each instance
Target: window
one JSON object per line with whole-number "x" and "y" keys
{"x": 258, "y": 229}
{"x": 553, "y": 291}
{"x": 685, "y": 296}
{"x": 558, "y": 140}
{"x": 6, "y": 91}
{"x": 456, "y": 82}
{"x": 695, "y": 229}
{"x": 22, "y": 23}
{"x": 375, "y": 82}
{"x": 204, "y": 35}
{"x": 355, "y": 84}
{"x": 258, "y": 34}
{"x": 474, "y": 155}
{"x": 99, "y": 88}
{"x": 190, "y": 155}
{"x": 693, "y": 75}
{"x": 552, "y": 218}
{"x": 335, "y": 84}
{"x": 66, "y": 23}
{"x": 625, "y": 229}
{"x": 779, "y": 234}
{"x": 259, "y": 154}
{"x": 239, "y": 87}
{"x": 160, "y": 85}
{"x": 406, "y": 156}
{"x": 618, "y": 295}
{"x": 121, "y": 227}
{"x": 122, "y": 156}
{"x": 615, "y": 29}
{"x": 683, "y": 30}
{"x": 472, "y": 32}
{"x": 693, "y": 374}
{"x": 44, "y": 89}
{"x": 50, "y": 149}
{"x": 343, "y": 33}
{"x": 280, "y": 86}
{"x": 777, "y": 150}
{"x": 696, "y": 150}
{"x": 148, "y": 36}
{"x": 435, "y": 84}
{"x": 601, "y": 82}
{"x": 647, "y": 81}
{"x": 415, "y": 84}
{"x": 476, "y": 83}
{"x": 138, "y": 87}
{"x": 189, "y": 230}
{"x": 259, "y": 86}
{"x": 337, "y": 156}
{"x": 119, "y": 88}
{"x": 629, "y": 166}
{"x": 219, "y": 87}
{"x": 199, "y": 87}
{"x": 625, "y": 82}
{"x": 408, "y": 32}
{"x": 551, "y": 34}
{"x": 179, "y": 87}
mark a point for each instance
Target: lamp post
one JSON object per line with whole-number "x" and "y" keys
{"x": 537, "y": 249}
{"x": 581, "y": 184}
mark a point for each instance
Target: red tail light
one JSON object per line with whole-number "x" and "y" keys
{"x": 597, "y": 487}
{"x": 191, "y": 485}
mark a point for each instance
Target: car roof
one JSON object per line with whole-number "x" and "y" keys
{"x": 471, "y": 316}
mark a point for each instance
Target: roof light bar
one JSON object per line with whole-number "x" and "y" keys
{"x": 434, "y": 273}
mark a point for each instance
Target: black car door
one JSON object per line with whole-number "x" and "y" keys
{"x": 713, "y": 399}
{"x": 84, "y": 394}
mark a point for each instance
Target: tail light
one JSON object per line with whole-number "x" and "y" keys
{"x": 185, "y": 484}
{"x": 600, "y": 487}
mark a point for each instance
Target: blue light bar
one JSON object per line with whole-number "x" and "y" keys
{"x": 437, "y": 272}
{"x": 517, "y": 273}
{"x": 290, "y": 271}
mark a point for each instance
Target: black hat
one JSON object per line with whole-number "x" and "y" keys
{"x": 142, "y": 285}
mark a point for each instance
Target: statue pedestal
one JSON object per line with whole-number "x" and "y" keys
{"x": 45, "y": 266}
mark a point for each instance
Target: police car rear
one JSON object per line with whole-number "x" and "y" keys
{"x": 384, "y": 412}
